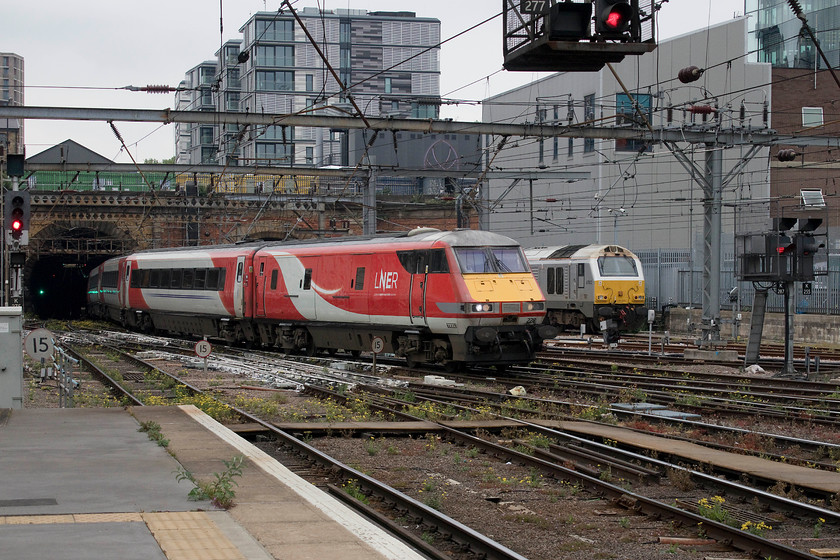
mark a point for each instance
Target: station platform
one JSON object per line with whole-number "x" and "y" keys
{"x": 86, "y": 484}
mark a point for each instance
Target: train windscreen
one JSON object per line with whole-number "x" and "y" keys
{"x": 617, "y": 266}
{"x": 477, "y": 260}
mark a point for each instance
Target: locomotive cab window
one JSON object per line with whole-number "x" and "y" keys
{"x": 422, "y": 261}
{"x": 617, "y": 266}
{"x": 477, "y": 260}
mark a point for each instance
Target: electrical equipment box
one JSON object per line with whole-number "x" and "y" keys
{"x": 11, "y": 364}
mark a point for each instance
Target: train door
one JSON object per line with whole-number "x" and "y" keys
{"x": 580, "y": 284}
{"x": 298, "y": 280}
{"x": 260, "y": 284}
{"x": 417, "y": 294}
{"x": 125, "y": 273}
{"x": 238, "y": 288}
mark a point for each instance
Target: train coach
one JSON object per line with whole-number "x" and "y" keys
{"x": 452, "y": 298}
{"x": 590, "y": 285}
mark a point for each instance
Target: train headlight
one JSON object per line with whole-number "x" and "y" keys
{"x": 533, "y": 306}
{"x": 481, "y": 308}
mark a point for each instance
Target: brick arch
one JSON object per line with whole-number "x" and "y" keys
{"x": 99, "y": 237}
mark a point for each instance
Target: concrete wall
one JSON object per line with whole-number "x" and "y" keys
{"x": 813, "y": 330}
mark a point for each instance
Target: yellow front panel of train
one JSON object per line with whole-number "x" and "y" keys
{"x": 507, "y": 287}
{"x": 620, "y": 291}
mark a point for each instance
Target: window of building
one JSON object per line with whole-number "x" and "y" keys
{"x": 206, "y": 135}
{"x": 208, "y": 155}
{"x": 275, "y": 153}
{"x": 424, "y": 110}
{"x": 627, "y": 115}
{"x": 589, "y": 116}
{"x": 232, "y": 101}
{"x": 812, "y": 116}
{"x": 206, "y": 75}
{"x": 275, "y": 55}
{"x": 310, "y": 82}
{"x": 345, "y": 32}
{"x": 276, "y": 30}
{"x": 387, "y": 85}
{"x": 278, "y": 132}
{"x": 206, "y": 97}
{"x": 310, "y": 155}
{"x": 231, "y": 55}
{"x": 233, "y": 78}
{"x": 395, "y": 106}
{"x": 277, "y": 80}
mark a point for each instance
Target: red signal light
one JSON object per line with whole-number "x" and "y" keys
{"x": 612, "y": 17}
{"x": 17, "y": 225}
{"x": 615, "y": 20}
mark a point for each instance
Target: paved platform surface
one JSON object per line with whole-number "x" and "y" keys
{"x": 85, "y": 484}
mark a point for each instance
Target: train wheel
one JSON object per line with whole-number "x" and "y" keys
{"x": 453, "y": 366}
{"x": 311, "y": 349}
{"x": 410, "y": 362}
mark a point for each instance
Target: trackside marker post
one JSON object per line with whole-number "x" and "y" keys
{"x": 203, "y": 348}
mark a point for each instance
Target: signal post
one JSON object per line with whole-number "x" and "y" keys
{"x": 16, "y": 220}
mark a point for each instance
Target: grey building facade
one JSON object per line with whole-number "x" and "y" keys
{"x": 389, "y": 62}
{"x": 11, "y": 93}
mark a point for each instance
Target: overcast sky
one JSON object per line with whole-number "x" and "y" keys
{"x": 77, "y": 54}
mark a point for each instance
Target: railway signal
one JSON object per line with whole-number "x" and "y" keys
{"x": 613, "y": 18}
{"x": 16, "y": 217}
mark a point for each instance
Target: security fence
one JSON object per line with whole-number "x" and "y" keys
{"x": 675, "y": 277}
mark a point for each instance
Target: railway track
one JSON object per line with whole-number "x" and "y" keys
{"x": 595, "y": 463}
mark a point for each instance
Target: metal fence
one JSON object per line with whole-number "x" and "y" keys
{"x": 675, "y": 277}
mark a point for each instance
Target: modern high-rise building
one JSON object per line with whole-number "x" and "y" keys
{"x": 776, "y": 35}
{"x": 11, "y": 93}
{"x": 196, "y": 143}
{"x": 388, "y": 64}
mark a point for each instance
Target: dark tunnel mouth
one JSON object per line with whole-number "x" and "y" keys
{"x": 55, "y": 286}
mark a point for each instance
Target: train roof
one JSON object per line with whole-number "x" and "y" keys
{"x": 579, "y": 251}
{"x": 454, "y": 238}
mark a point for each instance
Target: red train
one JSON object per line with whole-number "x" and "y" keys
{"x": 452, "y": 298}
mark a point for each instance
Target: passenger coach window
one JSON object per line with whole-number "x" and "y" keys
{"x": 176, "y": 278}
{"x": 200, "y": 277}
{"x": 189, "y": 277}
{"x": 212, "y": 282}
